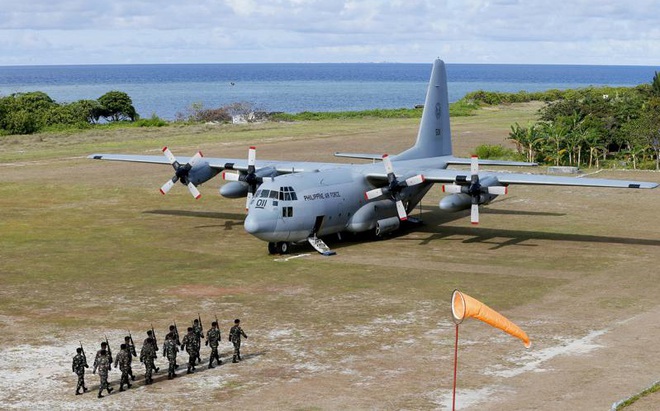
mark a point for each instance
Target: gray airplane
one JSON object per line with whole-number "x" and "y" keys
{"x": 290, "y": 202}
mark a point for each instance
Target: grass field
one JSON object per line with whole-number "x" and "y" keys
{"x": 91, "y": 248}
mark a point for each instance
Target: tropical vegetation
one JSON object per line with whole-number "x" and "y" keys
{"x": 587, "y": 127}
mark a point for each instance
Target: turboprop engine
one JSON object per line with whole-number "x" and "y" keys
{"x": 195, "y": 172}
{"x": 463, "y": 201}
{"x": 471, "y": 193}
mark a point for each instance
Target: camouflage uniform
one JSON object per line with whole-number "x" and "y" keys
{"x": 235, "y": 334}
{"x": 78, "y": 366}
{"x": 213, "y": 339}
{"x": 123, "y": 361}
{"x": 102, "y": 363}
{"x": 152, "y": 342}
{"x": 147, "y": 356}
{"x": 190, "y": 344}
{"x": 174, "y": 336}
{"x": 199, "y": 334}
{"x": 169, "y": 350}
{"x": 131, "y": 353}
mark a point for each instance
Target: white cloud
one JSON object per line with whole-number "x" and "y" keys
{"x": 499, "y": 31}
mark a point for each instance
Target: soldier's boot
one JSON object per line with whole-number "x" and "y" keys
{"x": 100, "y": 395}
{"x": 234, "y": 360}
{"x": 211, "y": 363}
{"x": 121, "y": 387}
{"x": 110, "y": 389}
{"x": 132, "y": 378}
{"x": 78, "y": 392}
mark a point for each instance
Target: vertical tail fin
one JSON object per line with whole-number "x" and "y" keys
{"x": 434, "y": 136}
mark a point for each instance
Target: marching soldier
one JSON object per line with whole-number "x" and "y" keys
{"x": 213, "y": 339}
{"x": 235, "y": 334}
{"x": 151, "y": 337}
{"x": 147, "y": 356}
{"x": 199, "y": 334}
{"x": 102, "y": 363}
{"x": 169, "y": 350}
{"x": 174, "y": 335}
{"x": 123, "y": 361}
{"x": 190, "y": 344}
{"x": 130, "y": 347}
{"x": 104, "y": 347}
{"x": 78, "y": 366}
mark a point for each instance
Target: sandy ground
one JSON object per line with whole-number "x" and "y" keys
{"x": 594, "y": 331}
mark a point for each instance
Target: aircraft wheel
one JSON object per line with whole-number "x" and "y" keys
{"x": 272, "y": 248}
{"x": 283, "y": 247}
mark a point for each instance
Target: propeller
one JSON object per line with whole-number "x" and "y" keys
{"x": 473, "y": 188}
{"x": 249, "y": 177}
{"x": 181, "y": 173}
{"x": 394, "y": 187}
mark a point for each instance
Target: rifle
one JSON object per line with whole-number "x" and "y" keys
{"x": 176, "y": 334}
{"x": 109, "y": 351}
{"x": 201, "y": 327}
{"x": 153, "y": 334}
{"x": 132, "y": 348}
{"x": 83, "y": 354}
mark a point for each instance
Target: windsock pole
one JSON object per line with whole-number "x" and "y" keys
{"x": 453, "y": 397}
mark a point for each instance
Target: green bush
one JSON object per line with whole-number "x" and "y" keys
{"x": 497, "y": 152}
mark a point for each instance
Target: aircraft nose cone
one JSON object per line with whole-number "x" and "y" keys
{"x": 255, "y": 225}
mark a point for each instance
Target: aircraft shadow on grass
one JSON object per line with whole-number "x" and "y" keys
{"x": 435, "y": 225}
{"x": 231, "y": 219}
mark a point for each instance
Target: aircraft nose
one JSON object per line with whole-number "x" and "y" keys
{"x": 256, "y": 226}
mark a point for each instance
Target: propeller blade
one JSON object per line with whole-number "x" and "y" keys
{"x": 230, "y": 176}
{"x": 401, "y": 210}
{"x": 474, "y": 214}
{"x": 375, "y": 193}
{"x": 194, "y": 191}
{"x": 168, "y": 154}
{"x": 498, "y": 190}
{"x": 248, "y": 199}
{"x": 252, "y": 156}
{"x": 389, "y": 169}
{"x": 451, "y": 188}
{"x": 167, "y": 186}
{"x": 413, "y": 181}
{"x": 474, "y": 165}
{"x": 198, "y": 156}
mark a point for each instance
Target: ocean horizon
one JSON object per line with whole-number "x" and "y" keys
{"x": 168, "y": 89}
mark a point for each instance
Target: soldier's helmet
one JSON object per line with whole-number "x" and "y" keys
{"x": 78, "y": 350}
{"x": 237, "y": 321}
{"x": 104, "y": 344}
{"x": 123, "y": 346}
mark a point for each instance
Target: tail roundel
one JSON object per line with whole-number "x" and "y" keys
{"x": 463, "y": 306}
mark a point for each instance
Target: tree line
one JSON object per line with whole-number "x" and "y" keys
{"x": 590, "y": 127}
{"x": 32, "y": 112}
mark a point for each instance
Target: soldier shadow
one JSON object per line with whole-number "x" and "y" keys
{"x": 161, "y": 376}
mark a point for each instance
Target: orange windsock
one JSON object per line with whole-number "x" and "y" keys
{"x": 464, "y": 306}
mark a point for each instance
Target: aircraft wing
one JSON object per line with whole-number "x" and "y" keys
{"x": 241, "y": 164}
{"x": 449, "y": 176}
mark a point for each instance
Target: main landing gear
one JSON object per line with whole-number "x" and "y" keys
{"x": 281, "y": 247}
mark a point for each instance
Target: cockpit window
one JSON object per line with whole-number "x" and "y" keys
{"x": 287, "y": 194}
{"x": 264, "y": 194}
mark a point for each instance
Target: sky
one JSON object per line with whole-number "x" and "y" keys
{"x": 36, "y": 32}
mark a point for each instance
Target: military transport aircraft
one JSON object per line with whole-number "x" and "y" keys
{"x": 290, "y": 201}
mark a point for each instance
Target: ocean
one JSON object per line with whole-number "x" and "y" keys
{"x": 168, "y": 89}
